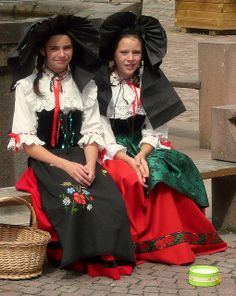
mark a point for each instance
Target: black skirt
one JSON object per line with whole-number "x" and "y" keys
{"x": 89, "y": 221}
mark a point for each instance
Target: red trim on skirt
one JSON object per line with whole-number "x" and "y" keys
{"x": 163, "y": 215}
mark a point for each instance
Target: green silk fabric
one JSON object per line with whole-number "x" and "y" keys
{"x": 171, "y": 167}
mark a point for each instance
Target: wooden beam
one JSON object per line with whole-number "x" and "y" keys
{"x": 215, "y": 168}
{"x": 185, "y": 82}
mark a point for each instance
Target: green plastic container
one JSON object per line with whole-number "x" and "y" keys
{"x": 204, "y": 276}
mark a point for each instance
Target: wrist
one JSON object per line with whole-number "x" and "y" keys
{"x": 120, "y": 155}
{"x": 91, "y": 164}
{"x": 62, "y": 163}
{"x": 146, "y": 149}
{"x": 142, "y": 154}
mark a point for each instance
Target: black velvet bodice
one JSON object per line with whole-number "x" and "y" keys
{"x": 127, "y": 126}
{"x": 69, "y": 132}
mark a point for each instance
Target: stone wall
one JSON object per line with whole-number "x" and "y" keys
{"x": 6, "y": 107}
{"x": 11, "y": 164}
{"x": 22, "y": 8}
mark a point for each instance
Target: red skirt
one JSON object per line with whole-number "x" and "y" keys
{"x": 105, "y": 265}
{"x": 165, "y": 225}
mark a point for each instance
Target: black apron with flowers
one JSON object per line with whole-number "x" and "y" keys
{"x": 89, "y": 222}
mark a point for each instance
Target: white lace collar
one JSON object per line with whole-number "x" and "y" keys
{"x": 52, "y": 74}
{"x": 115, "y": 79}
{"x": 123, "y": 103}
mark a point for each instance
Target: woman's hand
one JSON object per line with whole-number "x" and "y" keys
{"x": 83, "y": 174}
{"x": 141, "y": 163}
{"x": 137, "y": 168}
{"x": 91, "y": 171}
{"x": 91, "y": 155}
{"x": 132, "y": 163}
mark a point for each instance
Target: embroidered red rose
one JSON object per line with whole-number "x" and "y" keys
{"x": 160, "y": 244}
{"x": 79, "y": 198}
{"x": 188, "y": 237}
{"x": 169, "y": 240}
{"x": 191, "y": 237}
{"x": 211, "y": 238}
{"x": 195, "y": 237}
{"x": 142, "y": 247}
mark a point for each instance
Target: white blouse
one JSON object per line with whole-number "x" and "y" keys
{"x": 27, "y": 103}
{"x": 124, "y": 103}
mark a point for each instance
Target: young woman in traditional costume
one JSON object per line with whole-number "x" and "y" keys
{"x": 60, "y": 130}
{"x": 163, "y": 190}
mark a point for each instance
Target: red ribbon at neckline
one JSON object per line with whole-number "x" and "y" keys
{"x": 56, "y": 121}
{"x": 137, "y": 100}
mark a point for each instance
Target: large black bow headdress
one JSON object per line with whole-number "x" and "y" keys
{"x": 148, "y": 28}
{"x": 81, "y": 31}
{"x": 159, "y": 98}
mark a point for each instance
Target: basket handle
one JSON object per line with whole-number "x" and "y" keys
{"x": 10, "y": 199}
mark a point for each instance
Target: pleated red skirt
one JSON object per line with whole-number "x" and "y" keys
{"x": 165, "y": 225}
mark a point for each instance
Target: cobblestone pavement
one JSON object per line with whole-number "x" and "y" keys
{"x": 148, "y": 279}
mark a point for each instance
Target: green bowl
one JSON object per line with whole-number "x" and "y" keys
{"x": 204, "y": 276}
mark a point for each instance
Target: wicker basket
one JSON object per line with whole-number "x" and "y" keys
{"x": 22, "y": 248}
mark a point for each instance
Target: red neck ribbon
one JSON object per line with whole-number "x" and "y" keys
{"x": 56, "y": 120}
{"x": 137, "y": 100}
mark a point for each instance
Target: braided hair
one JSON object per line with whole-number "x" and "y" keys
{"x": 39, "y": 67}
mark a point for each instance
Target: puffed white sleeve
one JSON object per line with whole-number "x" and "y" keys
{"x": 155, "y": 137}
{"x": 91, "y": 128}
{"x": 24, "y": 119}
{"x": 110, "y": 141}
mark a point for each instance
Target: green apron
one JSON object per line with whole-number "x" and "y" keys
{"x": 171, "y": 167}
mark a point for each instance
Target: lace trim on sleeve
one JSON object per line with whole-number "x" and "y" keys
{"x": 112, "y": 149}
{"x": 90, "y": 138}
{"x": 17, "y": 140}
{"x": 154, "y": 141}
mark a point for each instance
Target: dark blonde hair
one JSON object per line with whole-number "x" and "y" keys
{"x": 39, "y": 67}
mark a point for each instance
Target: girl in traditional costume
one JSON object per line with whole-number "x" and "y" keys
{"x": 162, "y": 188}
{"x": 60, "y": 130}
